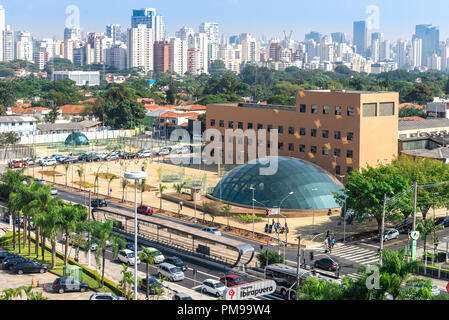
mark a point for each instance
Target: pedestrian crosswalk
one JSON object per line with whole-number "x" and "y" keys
{"x": 356, "y": 254}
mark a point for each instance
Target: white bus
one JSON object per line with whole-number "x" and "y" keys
{"x": 285, "y": 278}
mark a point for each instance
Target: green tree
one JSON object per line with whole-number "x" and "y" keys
{"x": 127, "y": 280}
{"x": 226, "y": 210}
{"x": 420, "y": 94}
{"x": 217, "y": 68}
{"x": 7, "y": 98}
{"x": 160, "y": 193}
{"x": 411, "y": 112}
{"x": 282, "y": 100}
{"x": 124, "y": 183}
{"x": 427, "y": 227}
{"x": 7, "y": 139}
{"x": 148, "y": 257}
{"x": 318, "y": 289}
{"x": 267, "y": 257}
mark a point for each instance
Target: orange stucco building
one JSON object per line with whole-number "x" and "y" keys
{"x": 339, "y": 131}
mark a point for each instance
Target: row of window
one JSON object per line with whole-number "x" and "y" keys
{"x": 314, "y": 150}
{"x": 338, "y": 110}
{"x": 291, "y": 130}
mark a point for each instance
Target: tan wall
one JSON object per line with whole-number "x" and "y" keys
{"x": 378, "y": 140}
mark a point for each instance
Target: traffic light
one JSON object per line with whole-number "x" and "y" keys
{"x": 311, "y": 255}
{"x": 267, "y": 212}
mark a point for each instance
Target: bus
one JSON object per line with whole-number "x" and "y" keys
{"x": 285, "y": 278}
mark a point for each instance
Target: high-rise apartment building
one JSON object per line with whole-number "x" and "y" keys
{"x": 212, "y": 30}
{"x": 8, "y": 44}
{"x": 148, "y": 17}
{"x": 337, "y": 130}
{"x": 161, "y": 56}
{"x": 416, "y": 53}
{"x": 430, "y": 41}
{"x": 199, "y": 41}
{"x": 360, "y": 37}
{"x": 313, "y": 35}
{"x": 401, "y": 53}
{"x": 116, "y": 56}
{"x": 339, "y": 37}
{"x": 141, "y": 48}
{"x": 250, "y": 48}
{"x": 184, "y": 33}
{"x": 24, "y": 46}
{"x": 178, "y": 55}
{"x": 73, "y": 34}
{"x": 2, "y": 33}
{"x": 114, "y": 32}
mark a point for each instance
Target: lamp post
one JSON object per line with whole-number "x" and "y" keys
{"x": 313, "y": 212}
{"x": 135, "y": 175}
{"x": 344, "y": 221}
{"x": 252, "y": 188}
{"x": 279, "y": 240}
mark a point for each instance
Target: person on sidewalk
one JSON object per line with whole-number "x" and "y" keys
{"x": 332, "y": 243}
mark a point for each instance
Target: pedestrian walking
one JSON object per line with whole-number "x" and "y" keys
{"x": 332, "y": 243}
{"x": 276, "y": 227}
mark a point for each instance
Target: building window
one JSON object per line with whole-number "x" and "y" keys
{"x": 240, "y": 140}
{"x": 313, "y": 132}
{"x": 337, "y": 135}
{"x": 268, "y": 145}
{"x": 369, "y": 109}
{"x": 240, "y": 125}
{"x": 281, "y": 129}
{"x": 250, "y": 141}
{"x": 222, "y": 138}
{"x": 291, "y": 130}
{"x": 325, "y": 109}
{"x": 325, "y": 151}
{"x": 281, "y": 146}
{"x": 314, "y": 108}
{"x": 350, "y": 112}
{"x": 231, "y": 139}
{"x": 212, "y": 138}
{"x": 313, "y": 149}
{"x": 337, "y": 170}
{"x": 259, "y": 126}
{"x": 270, "y": 127}
{"x": 338, "y": 111}
{"x": 212, "y": 122}
{"x": 231, "y": 124}
{"x": 302, "y": 108}
{"x": 250, "y": 125}
{"x": 349, "y": 154}
{"x": 325, "y": 133}
{"x": 350, "y": 136}
{"x": 222, "y": 123}
{"x": 386, "y": 109}
{"x": 302, "y": 148}
{"x": 302, "y": 131}
{"x": 291, "y": 147}
{"x": 337, "y": 152}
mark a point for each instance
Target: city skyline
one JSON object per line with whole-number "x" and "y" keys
{"x": 234, "y": 16}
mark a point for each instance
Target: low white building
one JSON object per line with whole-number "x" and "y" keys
{"x": 82, "y": 78}
{"x": 22, "y": 125}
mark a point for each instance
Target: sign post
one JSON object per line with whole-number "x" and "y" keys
{"x": 250, "y": 290}
{"x": 415, "y": 236}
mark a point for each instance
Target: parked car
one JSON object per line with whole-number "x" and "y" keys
{"x": 164, "y": 151}
{"x": 57, "y": 157}
{"x": 212, "y": 230}
{"x": 389, "y": 234}
{"x": 128, "y": 155}
{"x": 232, "y": 280}
{"x": 145, "y": 210}
{"x": 182, "y": 296}
{"x": 35, "y": 161}
{"x": 153, "y": 285}
{"x": 53, "y": 191}
{"x": 176, "y": 262}
{"x": 41, "y": 181}
{"x": 97, "y": 202}
{"x": 144, "y": 154}
{"x": 417, "y": 284}
{"x": 111, "y": 156}
{"x": 444, "y": 221}
{"x": 105, "y": 296}
{"x": 69, "y": 159}
{"x": 327, "y": 264}
{"x": 65, "y": 284}
{"x": 29, "y": 267}
{"x": 48, "y": 162}
{"x": 9, "y": 261}
{"x": 6, "y": 254}
{"x": 127, "y": 256}
{"x": 130, "y": 246}
{"x": 170, "y": 271}
{"x": 17, "y": 164}
{"x": 213, "y": 287}
{"x": 159, "y": 257}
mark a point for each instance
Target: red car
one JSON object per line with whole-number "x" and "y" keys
{"x": 145, "y": 210}
{"x": 232, "y": 280}
{"x": 18, "y": 163}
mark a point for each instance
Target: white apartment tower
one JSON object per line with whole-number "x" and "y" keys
{"x": 8, "y": 54}
{"x": 178, "y": 55}
{"x": 2, "y": 33}
{"x": 401, "y": 53}
{"x": 24, "y": 46}
{"x": 416, "y": 53}
{"x": 184, "y": 33}
{"x": 212, "y": 30}
{"x": 140, "y": 48}
{"x": 250, "y": 48}
{"x": 199, "y": 41}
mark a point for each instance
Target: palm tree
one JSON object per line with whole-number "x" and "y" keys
{"x": 124, "y": 183}
{"x": 102, "y": 236}
{"x": 226, "y": 211}
{"x": 147, "y": 256}
{"x": 51, "y": 225}
{"x": 160, "y": 193}
{"x": 96, "y": 186}
{"x": 54, "y": 172}
{"x": 80, "y": 173}
{"x": 127, "y": 279}
{"x": 71, "y": 217}
{"x": 143, "y": 183}
{"x": 66, "y": 168}
{"x": 111, "y": 177}
{"x": 427, "y": 227}
{"x": 179, "y": 187}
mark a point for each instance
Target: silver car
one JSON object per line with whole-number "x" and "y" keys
{"x": 170, "y": 271}
{"x": 389, "y": 234}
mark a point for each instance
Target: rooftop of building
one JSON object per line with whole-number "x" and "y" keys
{"x": 410, "y": 105}
{"x": 71, "y": 126}
{"x": 6, "y": 119}
{"x": 423, "y": 124}
{"x": 347, "y": 91}
{"x": 438, "y": 153}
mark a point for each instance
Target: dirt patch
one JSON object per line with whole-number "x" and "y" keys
{"x": 148, "y": 188}
{"x": 106, "y": 176}
{"x": 83, "y": 184}
{"x": 51, "y": 173}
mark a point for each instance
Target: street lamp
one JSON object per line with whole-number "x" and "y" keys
{"x": 135, "y": 175}
{"x": 279, "y": 240}
{"x": 251, "y": 188}
{"x": 383, "y": 228}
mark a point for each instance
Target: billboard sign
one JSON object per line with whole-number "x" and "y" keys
{"x": 250, "y": 290}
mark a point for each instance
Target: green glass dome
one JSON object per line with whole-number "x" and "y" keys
{"x": 312, "y": 186}
{"x": 77, "y": 139}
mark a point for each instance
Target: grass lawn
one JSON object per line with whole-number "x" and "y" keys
{"x": 59, "y": 264}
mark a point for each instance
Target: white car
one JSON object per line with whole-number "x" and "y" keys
{"x": 48, "y": 162}
{"x": 127, "y": 256}
{"x": 170, "y": 271}
{"x": 389, "y": 234}
{"x": 144, "y": 154}
{"x": 159, "y": 257}
{"x": 53, "y": 191}
{"x": 212, "y": 230}
{"x": 213, "y": 287}
{"x": 105, "y": 296}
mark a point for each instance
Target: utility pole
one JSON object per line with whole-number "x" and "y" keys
{"x": 382, "y": 230}
{"x": 88, "y": 218}
{"x": 298, "y": 262}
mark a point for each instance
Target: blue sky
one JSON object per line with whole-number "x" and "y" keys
{"x": 396, "y": 18}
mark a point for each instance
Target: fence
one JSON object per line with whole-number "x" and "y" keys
{"x": 61, "y": 137}
{"x": 16, "y": 152}
{"x": 434, "y": 272}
